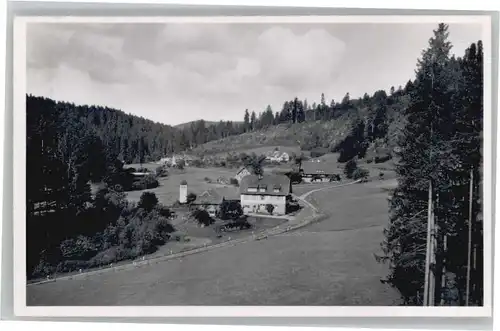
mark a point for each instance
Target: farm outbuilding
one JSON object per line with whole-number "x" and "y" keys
{"x": 242, "y": 172}
{"x": 318, "y": 171}
{"x": 211, "y": 199}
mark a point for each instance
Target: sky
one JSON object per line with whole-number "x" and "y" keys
{"x": 179, "y": 72}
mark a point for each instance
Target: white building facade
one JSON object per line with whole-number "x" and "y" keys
{"x": 259, "y": 193}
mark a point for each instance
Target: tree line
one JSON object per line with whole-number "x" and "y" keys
{"x": 439, "y": 155}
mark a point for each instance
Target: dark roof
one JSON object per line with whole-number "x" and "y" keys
{"x": 268, "y": 182}
{"x": 214, "y": 196}
{"x": 241, "y": 169}
{"x": 319, "y": 168}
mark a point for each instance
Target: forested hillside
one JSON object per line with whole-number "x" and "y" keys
{"x": 127, "y": 137}
{"x": 320, "y": 126}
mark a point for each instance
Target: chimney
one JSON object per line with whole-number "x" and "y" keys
{"x": 183, "y": 192}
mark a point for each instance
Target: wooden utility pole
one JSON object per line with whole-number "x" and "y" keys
{"x": 469, "y": 247}
{"x": 427, "y": 279}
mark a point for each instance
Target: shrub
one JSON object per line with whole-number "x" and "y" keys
{"x": 191, "y": 197}
{"x": 197, "y": 163}
{"x": 146, "y": 182}
{"x": 335, "y": 178}
{"x": 181, "y": 164}
{"x": 230, "y": 210}
{"x": 111, "y": 255}
{"x": 203, "y": 217}
{"x": 369, "y": 161}
{"x": 161, "y": 171}
{"x": 382, "y": 159}
{"x": 381, "y": 175}
{"x": 270, "y": 208}
{"x": 71, "y": 265}
{"x": 81, "y": 248}
{"x": 350, "y": 167}
{"x": 360, "y": 173}
{"x": 295, "y": 177}
{"x": 148, "y": 201}
{"x": 208, "y": 180}
{"x": 234, "y": 181}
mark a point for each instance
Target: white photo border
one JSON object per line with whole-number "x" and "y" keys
{"x": 19, "y": 182}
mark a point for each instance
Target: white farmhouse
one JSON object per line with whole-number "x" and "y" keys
{"x": 257, "y": 192}
{"x": 285, "y": 157}
{"x": 242, "y": 173}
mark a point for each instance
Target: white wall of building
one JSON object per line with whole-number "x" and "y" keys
{"x": 257, "y": 204}
{"x": 183, "y": 193}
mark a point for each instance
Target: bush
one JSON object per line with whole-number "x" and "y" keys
{"x": 191, "y": 197}
{"x": 208, "y": 180}
{"x": 335, "y": 178}
{"x": 161, "y": 171}
{"x": 381, "y": 175}
{"x": 197, "y": 163}
{"x": 81, "y": 248}
{"x": 270, "y": 208}
{"x": 295, "y": 177}
{"x": 230, "y": 210}
{"x": 369, "y": 161}
{"x": 148, "y": 201}
{"x": 350, "y": 167}
{"x": 234, "y": 181}
{"x": 360, "y": 173}
{"x": 382, "y": 159}
{"x": 203, "y": 217}
{"x": 145, "y": 183}
{"x": 181, "y": 164}
{"x": 111, "y": 255}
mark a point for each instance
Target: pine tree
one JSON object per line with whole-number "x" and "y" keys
{"x": 428, "y": 153}
{"x": 246, "y": 120}
{"x": 253, "y": 121}
{"x": 295, "y": 110}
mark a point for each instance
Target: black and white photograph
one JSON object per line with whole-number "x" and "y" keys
{"x": 253, "y": 161}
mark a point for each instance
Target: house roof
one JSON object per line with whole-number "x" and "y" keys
{"x": 269, "y": 182}
{"x": 241, "y": 169}
{"x": 214, "y": 196}
{"x": 319, "y": 168}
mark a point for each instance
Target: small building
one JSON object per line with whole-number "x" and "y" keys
{"x": 257, "y": 192}
{"x": 183, "y": 192}
{"x": 211, "y": 199}
{"x": 242, "y": 172}
{"x": 318, "y": 171}
{"x": 141, "y": 174}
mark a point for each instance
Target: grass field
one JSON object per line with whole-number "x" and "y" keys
{"x": 168, "y": 191}
{"x": 326, "y": 263}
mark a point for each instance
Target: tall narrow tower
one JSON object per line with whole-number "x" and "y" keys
{"x": 183, "y": 192}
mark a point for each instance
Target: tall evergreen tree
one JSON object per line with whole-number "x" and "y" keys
{"x": 246, "y": 120}
{"x": 428, "y": 154}
{"x": 253, "y": 121}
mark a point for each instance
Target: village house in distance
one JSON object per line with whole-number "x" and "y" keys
{"x": 318, "y": 171}
{"x": 242, "y": 172}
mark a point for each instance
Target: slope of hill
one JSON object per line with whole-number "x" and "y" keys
{"x": 310, "y": 135}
